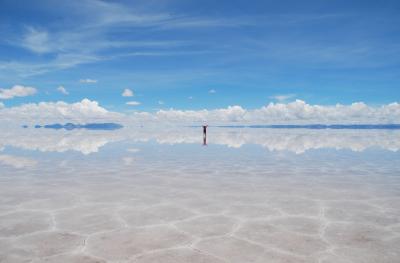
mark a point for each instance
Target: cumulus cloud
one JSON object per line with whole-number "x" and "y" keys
{"x": 44, "y": 140}
{"x": 282, "y": 97}
{"x": 297, "y": 112}
{"x": 62, "y": 90}
{"x": 133, "y": 103}
{"x": 17, "y": 162}
{"x": 16, "y": 91}
{"x": 88, "y": 80}
{"x": 293, "y": 140}
{"x": 43, "y": 112}
{"x": 127, "y": 93}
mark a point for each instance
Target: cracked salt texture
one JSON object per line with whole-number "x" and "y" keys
{"x": 188, "y": 203}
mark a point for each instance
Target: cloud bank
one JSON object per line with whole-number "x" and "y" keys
{"x": 297, "y": 112}
{"x": 43, "y": 112}
{"x": 16, "y": 91}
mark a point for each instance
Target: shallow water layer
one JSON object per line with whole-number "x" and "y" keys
{"x": 248, "y": 195}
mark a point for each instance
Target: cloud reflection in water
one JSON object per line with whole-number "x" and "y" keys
{"x": 292, "y": 140}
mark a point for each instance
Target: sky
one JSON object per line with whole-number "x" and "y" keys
{"x": 147, "y": 56}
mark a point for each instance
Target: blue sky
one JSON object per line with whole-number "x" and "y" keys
{"x": 172, "y": 54}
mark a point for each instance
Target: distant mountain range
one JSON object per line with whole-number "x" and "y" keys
{"x": 72, "y": 126}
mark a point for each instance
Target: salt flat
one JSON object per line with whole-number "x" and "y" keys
{"x": 138, "y": 195}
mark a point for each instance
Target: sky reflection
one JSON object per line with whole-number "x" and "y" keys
{"x": 116, "y": 190}
{"x": 293, "y": 140}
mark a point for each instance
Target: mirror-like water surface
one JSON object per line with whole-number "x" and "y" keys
{"x": 243, "y": 195}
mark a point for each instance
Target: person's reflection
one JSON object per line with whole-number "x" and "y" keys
{"x": 205, "y": 135}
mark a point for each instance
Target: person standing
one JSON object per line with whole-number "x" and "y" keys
{"x": 205, "y": 130}
{"x": 205, "y": 134}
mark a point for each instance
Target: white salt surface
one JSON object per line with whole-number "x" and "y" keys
{"x": 249, "y": 196}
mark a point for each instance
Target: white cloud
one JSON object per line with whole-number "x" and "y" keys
{"x": 88, "y": 80}
{"x": 160, "y": 102}
{"x": 48, "y": 140}
{"x": 128, "y": 160}
{"x": 297, "y": 112}
{"x": 16, "y": 91}
{"x": 212, "y": 91}
{"x": 62, "y": 90}
{"x": 133, "y": 150}
{"x": 294, "y": 140}
{"x": 36, "y": 40}
{"x": 190, "y": 97}
{"x": 2, "y": 105}
{"x": 282, "y": 97}
{"x": 17, "y": 162}
{"x": 133, "y": 103}
{"x": 127, "y": 93}
{"x": 87, "y": 37}
{"x": 83, "y": 111}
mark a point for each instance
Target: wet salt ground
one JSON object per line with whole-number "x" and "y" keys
{"x": 148, "y": 202}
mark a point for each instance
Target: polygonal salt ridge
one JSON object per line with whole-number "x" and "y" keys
{"x": 45, "y": 244}
{"x": 252, "y": 211}
{"x": 236, "y": 250}
{"x": 177, "y": 255}
{"x": 387, "y": 204}
{"x": 180, "y": 199}
{"x": 207, "y": 226}
{"x": 360, "y": 212}
{"x": 200, "y": 204}
{"x": 70, "y": 258}
{"x": 356, "y": 235}
{"x": 9, "y": 252}
{"x": 155, "y": 215}
{"x": 263, "y": 233}
{"x": 109, "y": 197}
{"x": 126, "y": 243}
{"x": 15, "y": 197}
{"x": 52, "y": 203}
{"x": 382, "y": 253}
{"x": 19, "y": 223}
{"x": 324, "y": 225}
{"x": 88, "y": 219}
{"x": 298, "y": 224}
{"x": 333, "y": 258}
{"x": 295, "y": 206}
{"x": 231, "y": 196}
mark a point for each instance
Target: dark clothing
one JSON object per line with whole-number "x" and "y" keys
{"x": 205, "y": 134}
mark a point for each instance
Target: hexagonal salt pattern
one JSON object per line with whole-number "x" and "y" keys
{"x": 203, "y": 205}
